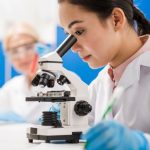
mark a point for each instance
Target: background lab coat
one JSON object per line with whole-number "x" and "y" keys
{"x": 133, "y": 108}
{"x": 12, "y": 98}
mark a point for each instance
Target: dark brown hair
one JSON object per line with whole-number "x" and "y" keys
{"x": 104, "y": 8}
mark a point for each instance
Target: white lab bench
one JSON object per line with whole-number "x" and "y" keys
{"x": 13, "y": 137}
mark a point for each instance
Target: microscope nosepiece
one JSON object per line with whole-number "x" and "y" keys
{"x": 45, "y": 80}
{"x": 62, "y": 80}
{"x": 35, "y": 81}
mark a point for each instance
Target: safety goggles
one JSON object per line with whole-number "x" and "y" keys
{"x": 24, "y": 49}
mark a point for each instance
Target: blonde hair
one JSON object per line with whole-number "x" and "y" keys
{"x": 19, "y": 29}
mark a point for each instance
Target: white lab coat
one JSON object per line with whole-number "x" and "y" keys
{"x": 12, "y": 98}
{"x": 133, "y": 108}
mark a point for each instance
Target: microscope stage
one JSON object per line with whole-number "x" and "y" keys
{"x": 50, "y": 99}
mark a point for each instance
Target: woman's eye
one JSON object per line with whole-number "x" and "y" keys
{"x": 79, "y": 32}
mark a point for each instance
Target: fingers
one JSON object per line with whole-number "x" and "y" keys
{"x": 105, "y": 135}
{"x": 98, "y": 129}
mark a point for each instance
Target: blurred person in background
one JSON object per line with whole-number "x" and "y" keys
{"x": 19, "y": 45}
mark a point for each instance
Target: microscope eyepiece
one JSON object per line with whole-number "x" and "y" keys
{"x": 66, "y": 45}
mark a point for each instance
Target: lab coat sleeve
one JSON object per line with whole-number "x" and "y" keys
{"x": 92, "y": 101}
{"x": 5, "y": 99}
{"x": 93, "y": 89}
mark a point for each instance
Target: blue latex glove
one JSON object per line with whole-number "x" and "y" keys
{"x": 11, "y": 117}
{"x": 42, "y": 49}
{"x": 56, "y": 108}
{"x": 110, "y": 135}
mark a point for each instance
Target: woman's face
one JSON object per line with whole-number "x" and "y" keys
{"x": 97, "y": 42}
{"x": 21, "y": 52}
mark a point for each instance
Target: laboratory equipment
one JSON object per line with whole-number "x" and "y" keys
{"x": 74, "y": 105}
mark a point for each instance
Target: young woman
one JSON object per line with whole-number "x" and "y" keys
{"x": 113, "y": 33}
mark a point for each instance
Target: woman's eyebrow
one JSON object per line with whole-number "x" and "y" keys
{"x": 73, "y": 23}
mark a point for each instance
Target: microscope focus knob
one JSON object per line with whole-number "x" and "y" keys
{"x": 82, "y": 108}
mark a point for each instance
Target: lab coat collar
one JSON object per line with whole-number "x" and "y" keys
{"x": 132, "y": 72}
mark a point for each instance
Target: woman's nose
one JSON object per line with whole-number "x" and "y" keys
{"x": 76, "y": 47}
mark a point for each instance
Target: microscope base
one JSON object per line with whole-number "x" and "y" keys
{"x": 48, "y": 134}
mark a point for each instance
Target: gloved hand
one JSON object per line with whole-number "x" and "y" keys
{"x": 110, "y": 135}
{"x": 56, "y": 108}
{"x": 42, "y": 49}
{"x": 11, "y": 117}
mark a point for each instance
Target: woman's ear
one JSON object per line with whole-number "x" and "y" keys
{"x": 118, "y": 18}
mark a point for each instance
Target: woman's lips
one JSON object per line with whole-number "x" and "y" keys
{"x": 86, "y": 58}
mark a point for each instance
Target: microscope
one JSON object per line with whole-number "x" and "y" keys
{"x": 74, "y": 106}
